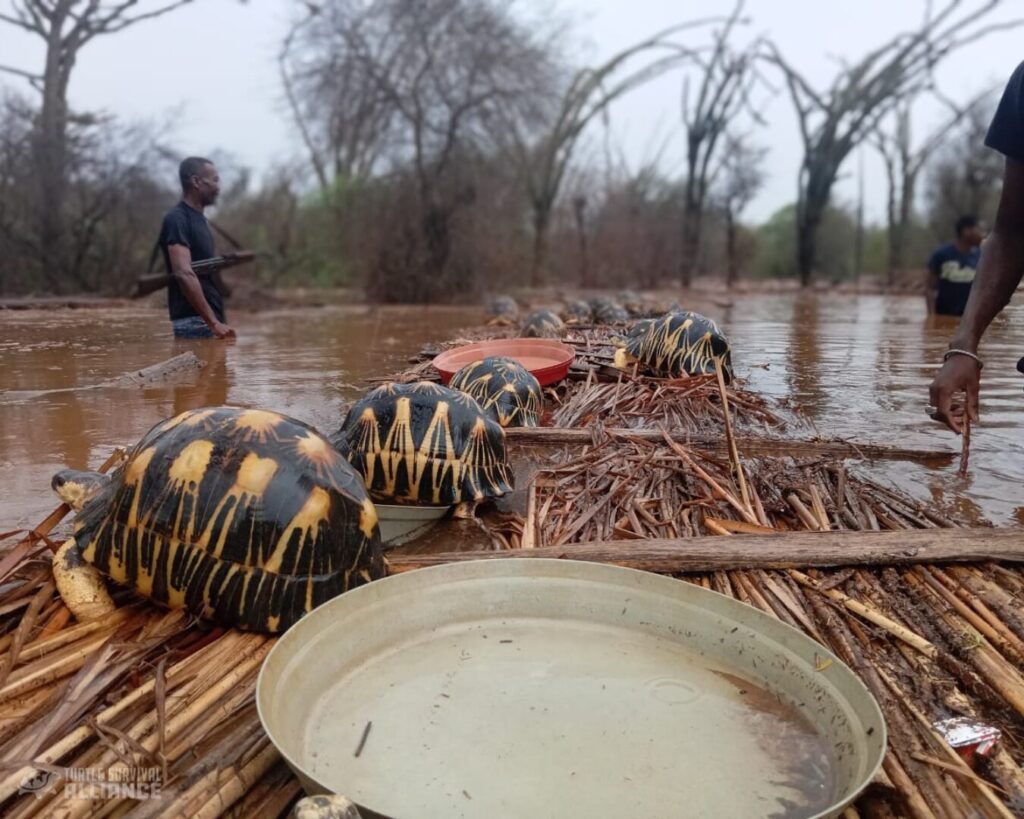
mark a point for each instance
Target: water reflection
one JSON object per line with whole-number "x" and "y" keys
{"x": 804, "y": 357}
{"x": 210, "y": 388}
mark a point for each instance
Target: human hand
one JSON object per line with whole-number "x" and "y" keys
{"x": 222, "y": 330}
{"x": 960, "y": 374}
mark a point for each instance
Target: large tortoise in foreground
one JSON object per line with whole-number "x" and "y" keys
{"x": 247, "y": 517}
{"x": 425, "y": 444}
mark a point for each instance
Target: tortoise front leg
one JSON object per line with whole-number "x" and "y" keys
{"x": 465, "y": 510}
{"x": 81, "y": 587}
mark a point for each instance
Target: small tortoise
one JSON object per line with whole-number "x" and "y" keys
{"x": 632, "y": 302}
{"x": 247, "y": 517}
{"x": 425, "y": 444}
{"x": 607, "y": 311}
{"x": 577, "y": 312}
{"x": 504, "y": 388}
{"x": 542, "y": 324}
{"x": 676, "y": 344}
{"x": 502, "y": 310}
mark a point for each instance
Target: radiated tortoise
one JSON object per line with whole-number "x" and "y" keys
{"x": 676, "y": 344}
{"x": 504, "y": 388}
{"x": 542, "y": 324}
{"x": 423, "y": 443}
{"x": 247, "y": 517}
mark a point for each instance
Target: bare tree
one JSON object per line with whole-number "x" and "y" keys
{"x": 963, "y": 177}
{"x": 424, "y": 79}
{"x": 65, "y": 27}
{"x": 114, "y": 191}
{"x": 725, "y": 79}
{"x": 338, "y": 107}
{"x": 15, "y": 171}
{"x": 903, "y": 162}
{"x": 834, "y": 121}
{"x": 635, "y": 228}
{"x": 544, "y": 159}
{"x": 741, "y": 179}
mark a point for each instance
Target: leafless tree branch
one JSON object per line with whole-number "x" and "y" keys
{"x": 834, "y": 121}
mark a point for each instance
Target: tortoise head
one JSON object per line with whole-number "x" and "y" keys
{"x": 77, "y": 488}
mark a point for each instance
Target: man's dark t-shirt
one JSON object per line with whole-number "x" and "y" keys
{"x": 1006, "y": 133}
{"x": 184, "y": 225}
{"x": 956, "y": 271}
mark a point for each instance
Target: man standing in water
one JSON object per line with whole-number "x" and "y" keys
{"x": 999, "y": 272}
{"x": 952, "y": 267}
{"x": 196, "y": 305}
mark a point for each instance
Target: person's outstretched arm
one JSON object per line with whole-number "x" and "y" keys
{"x": 999, "y": 273}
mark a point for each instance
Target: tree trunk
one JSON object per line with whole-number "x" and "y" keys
{"x": 579, "y": 205}
{"x": 541, "y": 218}
{"x": 732, "y": 262}
{"x": 807, "y": 225}
{"x": 50, "y": 154}
{"x": 896, "y": 251}
{"x": 810, "y": 213}
{"x": 906, "y": 218}
{"x": 693, "y": 215}
{"x": 438, "y": 236}
{"x": 894, "y": 234}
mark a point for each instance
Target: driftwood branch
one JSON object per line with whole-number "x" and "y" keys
{"x": 785, "y": 550}
{"x": 749, "y": 445}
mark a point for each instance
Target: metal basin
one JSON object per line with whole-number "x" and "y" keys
{"x": 400, "y": 523}
{"x": 556, "y": 688}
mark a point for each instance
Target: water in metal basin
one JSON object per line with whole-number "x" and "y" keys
{"x": 536, "y": 718}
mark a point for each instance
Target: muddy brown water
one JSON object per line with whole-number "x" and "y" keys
{"x": 857, "y": 366}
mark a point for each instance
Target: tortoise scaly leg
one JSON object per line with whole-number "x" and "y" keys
{"x": 81, "y": 587}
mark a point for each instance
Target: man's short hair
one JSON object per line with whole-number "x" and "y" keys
{"x": 968, "y": 220}
{"x": 190, "y": 167}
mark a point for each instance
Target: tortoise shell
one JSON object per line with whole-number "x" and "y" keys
{"x": 607, "y": 311}
{"x": 577, "y": 312}
{"x": 631, "y": 302}
{"x": 425, "y": 444}
{"x": 542, "y": 324}
{"x": 679, "y": 343}
{"x": 504, "y": 388}
{"x": 248, "y": 517}
{"x": 503, "y": 307}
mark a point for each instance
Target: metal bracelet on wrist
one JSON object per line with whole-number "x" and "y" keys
{"x": 955, "y": 351}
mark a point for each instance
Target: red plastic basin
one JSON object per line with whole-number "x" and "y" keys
{"x": 547, "y": 359}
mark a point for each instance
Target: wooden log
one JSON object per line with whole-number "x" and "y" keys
{"x": 749, "y": 445}
{"x": 184, "y": 364}
{"x": 782, "y": 551}
{"x": 177, "y": 368}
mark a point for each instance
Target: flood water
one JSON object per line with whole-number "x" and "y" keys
{"x": 857, "y": 366}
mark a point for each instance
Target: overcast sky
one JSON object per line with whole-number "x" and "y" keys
{"x": 212, "y": 66}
